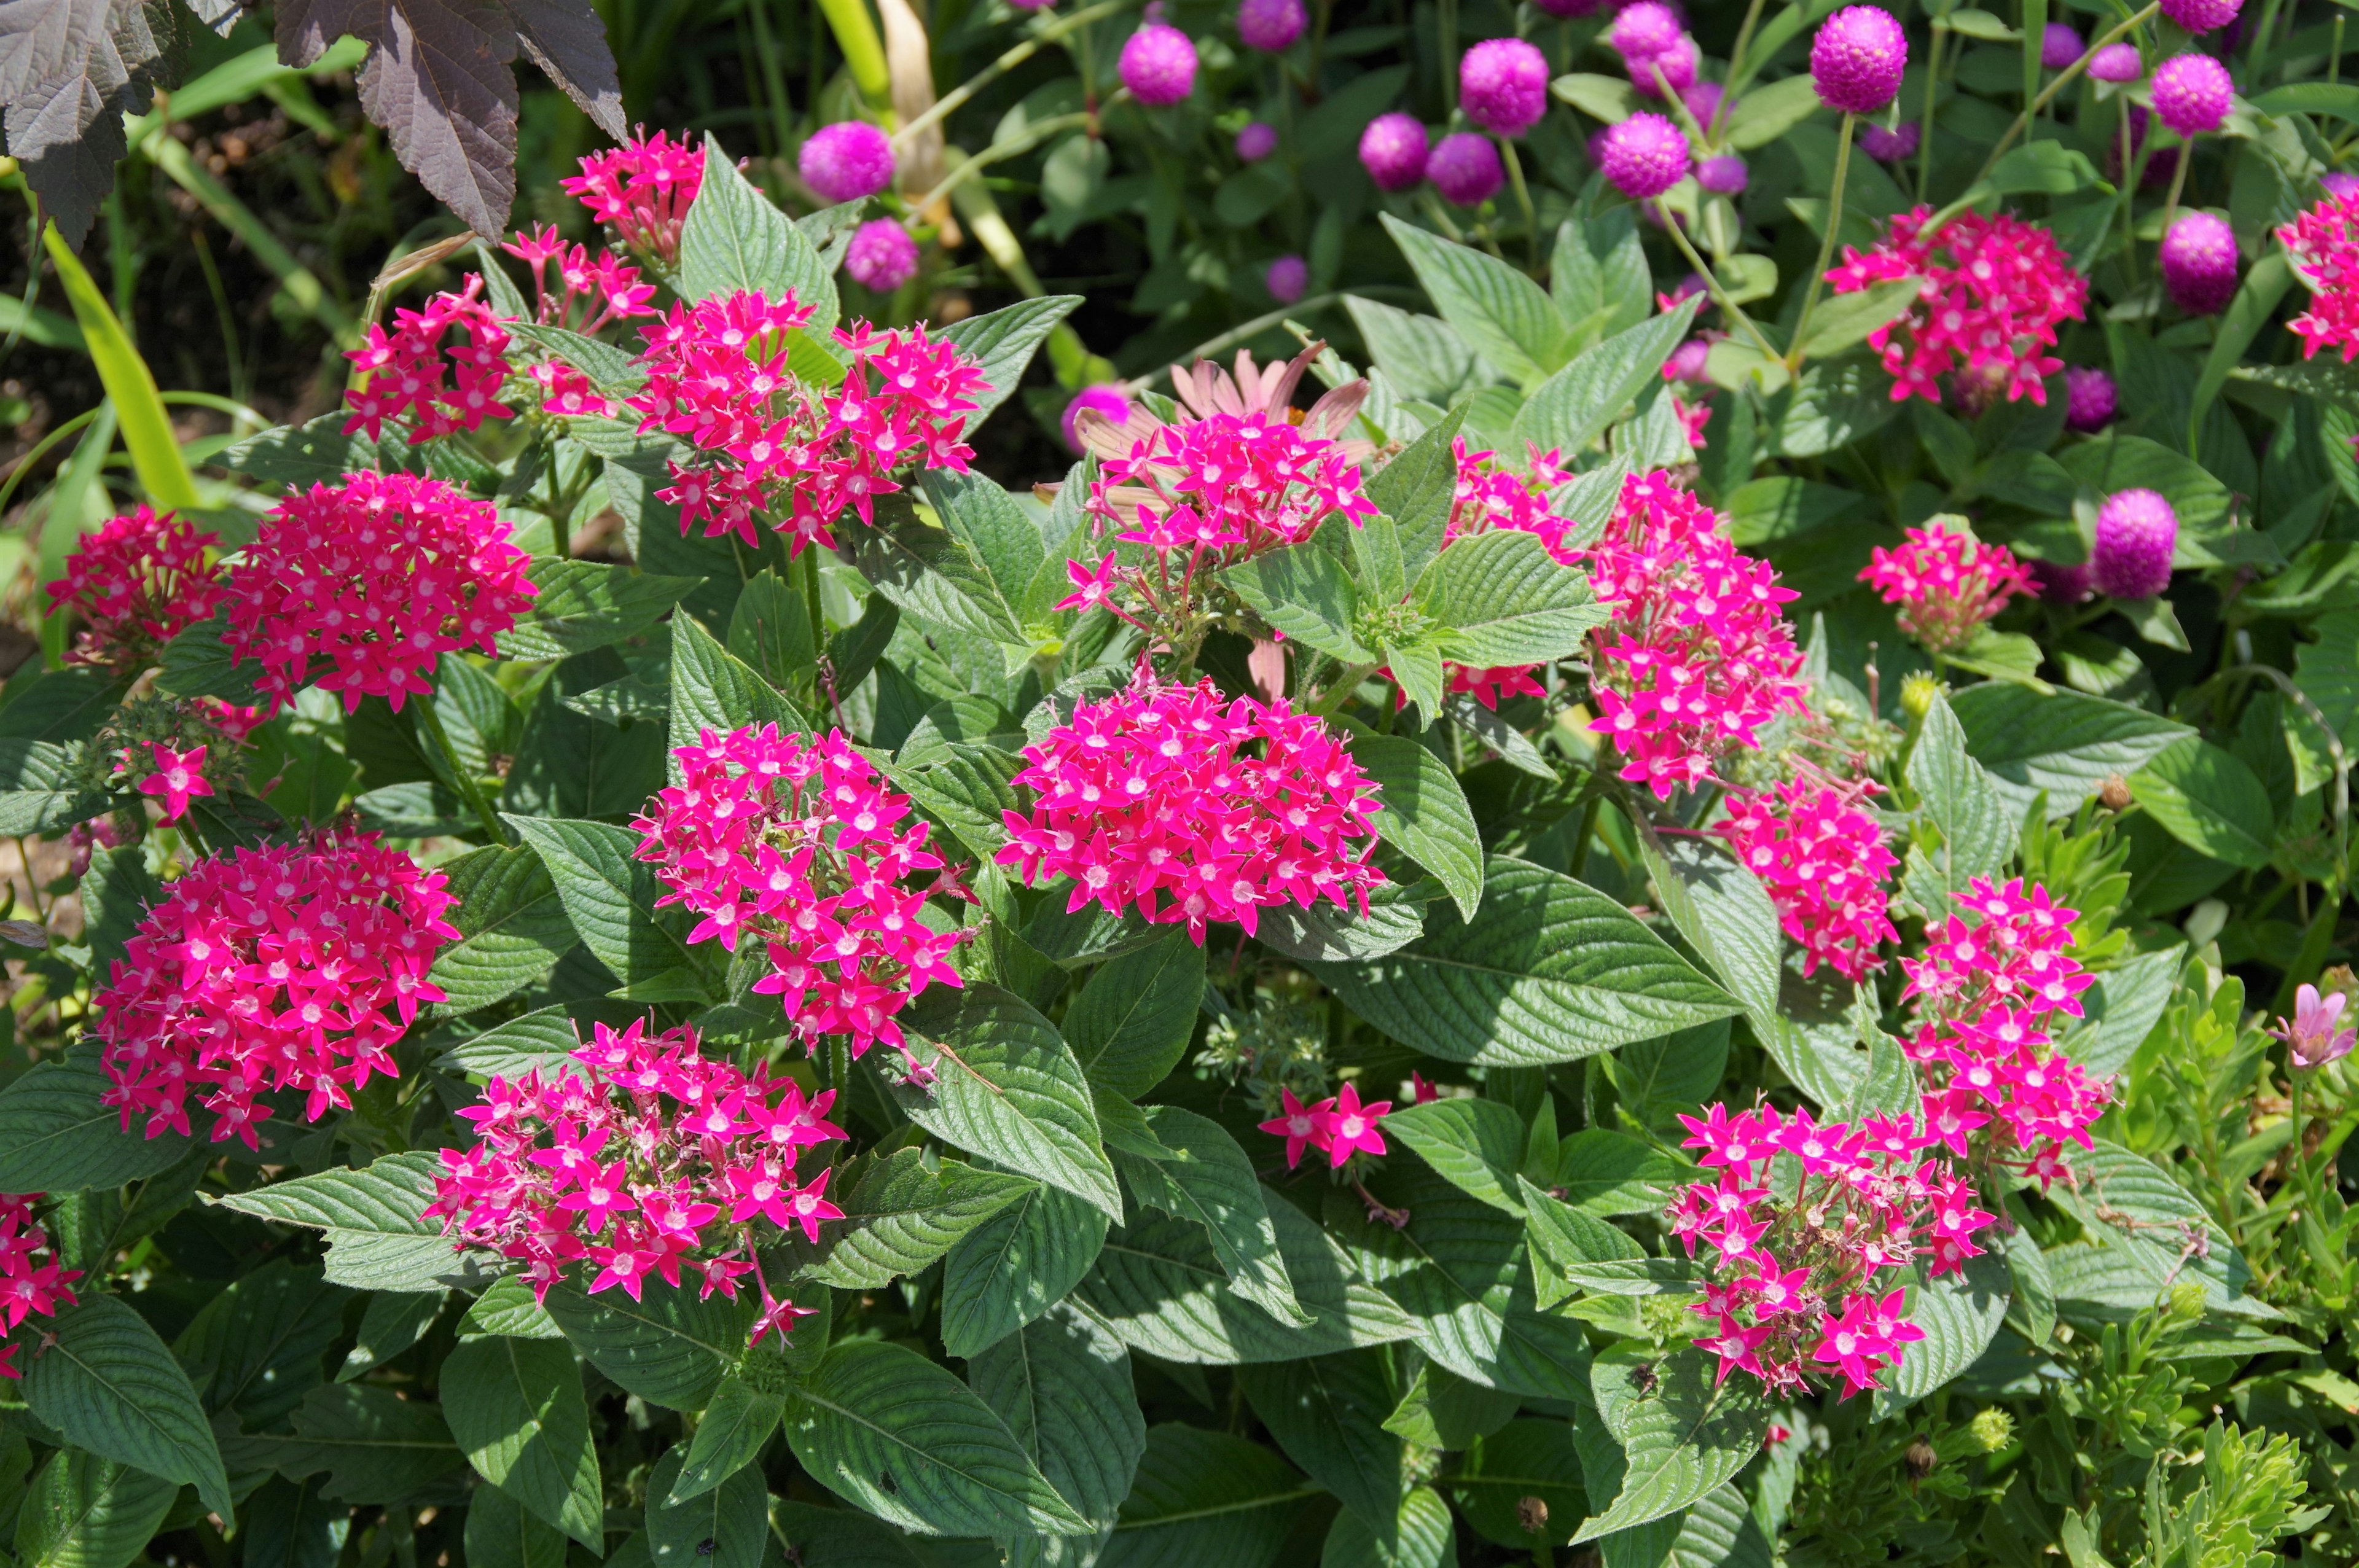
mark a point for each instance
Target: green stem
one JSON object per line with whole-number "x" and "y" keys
{"x": 2178, "y": 183}
{"x": 1729, "y": 307}
{"x": 1925, "y": 125}
{"x": 2259, "y": 55}
{"x": 1055, "y": 126}
{"x": 950, "y": 103}
{"x": 1333, "y": 699}
{"x": 1523, "y": 198}
{"x": 1739, "y": 69}
{"x": 471, "y": 789}
{"x": 863, "y": 50}
{"x": 1826, "y": 245}
{"x": 2023, "y": 120}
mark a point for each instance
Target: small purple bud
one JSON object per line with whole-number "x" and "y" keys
{"x": 1392, "y": 150}
{"x": 1722, "y": 175}
{"x": 846, "y": 161}
{"x": 2192, "y": 94}
{"x": 2117, "y": 63}
{"x": 2091, "y": 399}
{"x": 2201, "y": 15}
{"x": 2198, "y": 263}
{"x": 1465, "y": 169}
{"x": 1704, "y": 101}
{"x": 1271, "y": 25}
{"x": 2342, "y": 187}
{"x": 1503, "y": 85}
{"x": 1256, "y": 141}
{"x": 2059, "y": 46}
{"x": 1891, "y": 146}
{"x": 881, "y": 256}
{"x": 1159, "y": 65}
{"x": 1857, "y": 58}
{"x": 1644, "y": 155}
{"x": 2136, "y": 531}
{"x": 1687, "y": 360}
{"x": 1105, "y": 397}
{"x": 1286, "y": 279}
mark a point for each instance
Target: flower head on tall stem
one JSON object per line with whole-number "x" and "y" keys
{"x": 2315, "y": 1034}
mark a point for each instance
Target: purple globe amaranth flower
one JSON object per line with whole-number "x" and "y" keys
{"x": 2117, "y": 63}
{"x": 2091, "y": 399}
{"x": 1503, "y": 85}
{"x": 1645, "y": 28}
{"x": 1271, "y": 25}
{"x": 2058, "y": 583}
{"x": 1392, "y": 150}
{"x": 2198, "y": 263}
{"x": 846, "y": 161}
{"x": 2136, "y": 531}
{"x": 1675, "y": 68}
{"x": 1703, "y": 100}
{"x": 1857, "y": 58}
{"x": 1644, "y": 155}
{"x": 1722, "y": 175}
{"x": 1159, "y": 65}
{"x": 2342, "y": 187}
{"x": 881, "y": 255}
{"x": 1106, "y": 398}
{"x": 1256, "y": 141}
{"x": 1287, "y": 278}
{"x": 1465, "y": 169}
{"x": 1687, "y": 360}
{"x": 2201, "y": 15}
{"x": 2059, "y": 46}
{"x": 2192, "y": 94}
{"x": 1891, "y": 146}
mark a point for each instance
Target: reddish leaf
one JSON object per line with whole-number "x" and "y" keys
{"x": 69, "y": 71}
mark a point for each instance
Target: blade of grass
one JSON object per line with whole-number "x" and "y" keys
{"x": 147, "y": 427}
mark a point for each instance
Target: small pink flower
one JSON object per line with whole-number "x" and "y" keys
{"x": 2311, "y": 1037}
{"x": 1352, "y": 1127}
{"x": 642, "y": 190}
{"x": 1302, "y": 1126}
{"x": 178, "y": 776}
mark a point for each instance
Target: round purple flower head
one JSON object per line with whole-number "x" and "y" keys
{"x": 2191, "y": 92}
{"x": 1271, "y": 25}
{"x": 1393, "y": 149}
{"x": 1645, "y": 28}
{"x": 1675, "y": 68}
{"x": 1644, "y": 155}
{"x": 1891, "y": 146}
{"x": 2198, "y": 263}
{"x": 1857, "y": 58}
{"x": 2117, "y": 63}
{"x": 1722, "y": 175}
{"x": 1703, "y": 100}
{"x": 881, "y": 256}
{"x": 1159, "y": 65}
{"x": 1286, "y": 279}
{"x": 846, "y": 161}
{"x": 2058, "y": 583}
{"x": 1503, "y": 85}
{"x": 1687, "y": 360}
{"x": 2091, "y": 399}
{"x": 2342, "y": 187}
{"x": 2201, "y": 15}
{"x": 1105, "y": 397}
{"x": 1256, "y": 141}
{"x": 2059, "y": 46}
{"x": 1465, "y": 169}
{"x": 2136, "y": 531}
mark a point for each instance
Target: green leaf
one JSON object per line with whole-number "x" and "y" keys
{"x": 1341, "y": 934}
{"x": 1767, "y": 111}
{"x": 670, "y": 1347}
{"x": 43, "y": 792}
{"x": 889, "y": 1431}
{"x": 1960, "y": 1313}
{"x": 56, "y": 1136}
{"x": 1551, "y": 970}
{"x": 376, "y": 1446}
{"x": 82, "y": 1511}
{"x": 300, "y": 456}
{"x": 107, "y": 1384}
{"x": 1015, "y": 1265}
{"x": 1846, "y": 320}
{"x": 1598, "y": 274}
{"x": 931, "y": 573}
{"x": 966, "y": 787}
{"x": 1527, "y": 1458}
{"x": 729, "y": 1435}
{"x": 1207, "y": 1178}
{"x": 2123, "y": 1007}
{"x": 1418, "y": 489}
{"x": 1416, "y": 667}
{"x": 1503, "y": 600}
{"x": 1305, "y": 592}
{"x": 1573, "y": 406}
{"x": 196, "y": 664}
{"x": 581, "y": 605}
{"x": 1442, "y": 1409}
{"x": 1327, "y": 1415}
{"x": 1570, "y": 1252}
{"x": 499, "y": 1534}
{"x": 2209, "y": 800}
{"x": 1004, "y": 540}
{"x": 2047, "y": 168}
{"x": 257, "y": 1348}
{"x": 711, "y": 688}
{"x": 513, "y": 927}
{"x": 610, "y": 896}
{"x": 1603, "y": 1172}
{"x": 1473, "y": 1144}
{"x": 1958, "y": 798}
{"x": 376, "y": 1235}
{"x": 541, "y": 1042}
{"x": 725, "y": 1526}
{"x": 770, "y": 633}
{"x": 1502, "y": 314}
{"x": 1005, "y": 1087}
{"x": 2137, "y": 1223}
{"x": 1132, "y": 1022}
{"x": 900, "y": 1215}
{"x": 735, "y": 239}
{"x": 2065, "y": 743}
{"x": 59, "y": 704}
{"x": 516, "y": 1409}
{"x": 508, "y": 1308}
{"x": 1063, "y": 1387}
{"x": 395, "y": 1321}
{"x": 1680, "y": 1435}
{"x": 1004, "y": 340}
{"x": 1204, "y": 1497}
{"x": 2114, "y": 461}
{"x": 1425, "y": 812}
{"x": 1725, "y": 914}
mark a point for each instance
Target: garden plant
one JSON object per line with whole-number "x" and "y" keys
{"x": 1598, "y": 814}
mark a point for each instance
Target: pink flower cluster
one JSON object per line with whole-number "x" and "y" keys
{"x": 137, "y": 583}
{"x": 1806, "y": 1285}
{"x": 1985, "y": 990}
{"x": 1946, "y": 583}
{"x": 402, "y": 373}
{"x": 267, "y": 970}
{"x": 799, "y": 845}
{"x": 643, "y": 1157}
{"x": 1698, "y": 656}
{"x": 1337, "y": 1127}
{"x": 2324, "y": 243}
{"x": 1167, "y": 799}
{"x": 1820, "y": 853}
{"x": 1226, "y": 488}
{"x": 642, "y": 190}
{"x": 379, "y": 574}
{"x": 1995, "y": 290}
{"x": 32, "y": 1280}
{"x": 769, "y": 442}
{"x": 589, "y": 292}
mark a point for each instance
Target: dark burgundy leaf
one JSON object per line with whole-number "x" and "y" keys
{"x": 69, "y": 71}
{"x": 439, "y": 82}
{"x": 568, "y": 41}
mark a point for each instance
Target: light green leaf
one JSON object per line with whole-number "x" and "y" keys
{"x": 512, "y": 928}
{"x": 2209, "y": 800}
{"x": 106, "y": 1383}
{"x": 1725, "y": 914}
{"x": 1418, "y": 489}
{"x": 1132, "y": 1022}
{"x": 1572, "y": 1252}
{"x": 1962, "y": 806}
{"x": 1960, "y": 1313}
{"x": 516, "y": 1409}
{"x": 1474, "y": 1144}
{"x": 1681, "y": 1436}
{"x": 56, "y": 1135}
{"x": 1573, "y": 406}
{"x": 580, "y": 605}
{"x": 610, "y": 896}
{"x": 1425, "y": 814}
{"x": 1502, "y": 314}
{"x": 376, "y": 1235}
{"x": 1207, "y": 1178}
{"x": 1503, "y": 600}
{"x": 1063, "y": 1387}
{"x": 1004, "y": 341}
{"x": 1846, "y": 320}
{"x": 1305, "y": 592}
{"x": 729, "y": 1435}
{"x": 899, "y": 1216}
{"x": 1015, "y": 1265}
{"x": 1422, "y": 1536}
{"x": 670, "y": 1347}
{"x": 2066, "y": 743}
{"x": 735, "y": 239}
{"x": 711, "y": 688}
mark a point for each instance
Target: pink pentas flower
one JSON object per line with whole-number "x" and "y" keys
{"x": 1820, "y": 853}
{"x": 1352, "y": 1127}
{"x": 577, "y": 290}
{"x": 1302, "y": 1126}
{"x": 642, "y": 190}
{"x": 34, "y": 1282}
{"x": 1996, "y": 288}
{"x": 411, "y": 376}
{"x": 290, "y": 966}
{"x": 2323, "y": 244}
{"x": 1698, "y": 654}
{"x": 797, "y": 845}
{"x": 375, "y": 577}
{"x": 1169, "y": 800}
{"x": 1946, "y": 583}
{"x": 178, "y": 776}
{"x": 639, "y": 1157}
{"x": 134, "y": 584}
{"x": 1808, "y": 1283}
